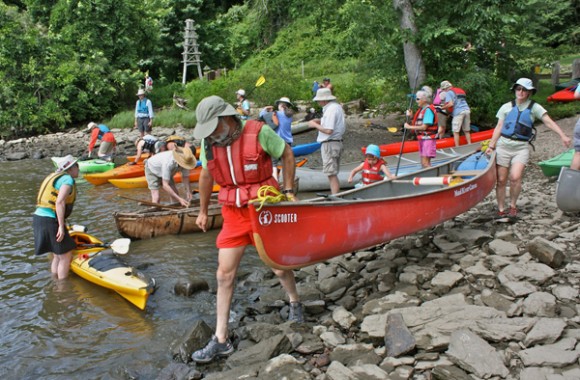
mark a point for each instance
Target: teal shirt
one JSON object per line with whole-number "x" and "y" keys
{"x": 65, "y": 179}
{"x": 272, "y": 144}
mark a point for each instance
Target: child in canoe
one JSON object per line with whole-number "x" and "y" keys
{"x": 374, "y": 168}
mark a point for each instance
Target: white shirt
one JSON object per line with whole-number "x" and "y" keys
{"x": 332, "y": 118}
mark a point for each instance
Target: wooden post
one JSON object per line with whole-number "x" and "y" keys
{"x": 576, "y": 68}
{"x": 536, "y": 75}
{"x": 556, "y": 73}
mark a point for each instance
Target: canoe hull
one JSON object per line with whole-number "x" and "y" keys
{"x": 296, "y": 234}
{"x": 568, "y": 190}
{"x": 155, "y": 222}
{"x": 123, "y": 171}
{"x": 552, "y": 167}
{"x": 448, "y": 142}
{"x": 563, "y": 96}
{"x": 109, "y": 271}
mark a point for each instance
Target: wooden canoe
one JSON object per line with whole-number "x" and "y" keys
{"x": 448, "y": 142}
{"x": 155, "y": 221}
{"x": 568, "y": 190}
{"x": 313, "y": 179}
{"x": 551, "y": 167}
{"x": 296, "y": 234}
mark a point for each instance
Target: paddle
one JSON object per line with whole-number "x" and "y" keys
{"x": 408, "y": 108}
{"x": 120, "y": 246}
{"x": 261, "y": 80}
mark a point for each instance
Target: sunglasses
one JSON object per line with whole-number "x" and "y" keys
{"x": 520, "y": 88}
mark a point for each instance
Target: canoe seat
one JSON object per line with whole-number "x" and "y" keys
{"x": 106, "y": 261}
{"x": 466, "y": 173}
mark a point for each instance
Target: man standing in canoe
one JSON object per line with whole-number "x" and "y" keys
{"x": 238, "y": 156}
{"x": 160, "y": 169}
{"x": 54, "y": 204}
{"x": 331, "y": 128}
{"x": 512, "y": 137}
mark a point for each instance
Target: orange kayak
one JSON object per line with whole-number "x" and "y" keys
{"x": 123, "y": 171}
{"x": 141, "y": 182}
{"x": 145, "y": 156}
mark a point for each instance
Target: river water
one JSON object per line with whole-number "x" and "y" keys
{"x": 74, "y": 329}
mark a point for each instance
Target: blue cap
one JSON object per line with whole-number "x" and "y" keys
{"x": 374, "y": 150}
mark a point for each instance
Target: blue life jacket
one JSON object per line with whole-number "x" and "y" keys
{"x": 519, "y": 125}
{"x": 102, "y": 130}
{"x": 142, "y": 107}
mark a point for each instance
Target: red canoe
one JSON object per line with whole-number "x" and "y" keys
{"x": 448, "y": 142}
{"x": 563, "y": 96}
{"x": 296, "y": 234}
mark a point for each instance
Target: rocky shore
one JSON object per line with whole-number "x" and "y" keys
{"x": 469, "y": 299}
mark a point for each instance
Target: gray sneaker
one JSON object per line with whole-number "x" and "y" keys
{"x": 296, "y": 314}
{"x": 212, "y": 350}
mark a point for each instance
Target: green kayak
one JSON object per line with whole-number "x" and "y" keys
{"x": 552, "y": 166}
{"x": 90, "y": 166}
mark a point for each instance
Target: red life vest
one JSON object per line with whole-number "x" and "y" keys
{"x": 460, "y": 93}
{"x": 372, "y": 173}
{"x": 431, "y": 130}
{"x": 241, "y": 168}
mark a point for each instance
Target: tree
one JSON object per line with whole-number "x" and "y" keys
{"x": 412, "y": 54}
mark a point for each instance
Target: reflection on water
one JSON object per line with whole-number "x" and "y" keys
{"x": 74, "y": 329}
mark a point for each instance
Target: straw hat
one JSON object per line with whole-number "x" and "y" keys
{"x": 445, "y": 85}
{"x": 184, "y": 158}
{"x": 66, "y": 162}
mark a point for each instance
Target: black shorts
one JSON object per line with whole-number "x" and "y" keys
{"x": 45, "y": 229}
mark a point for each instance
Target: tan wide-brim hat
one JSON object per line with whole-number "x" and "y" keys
{"x": 141, "y": 92}
{"x": 207, "y": 113}
{"x": 324, "y": 94}
{"x": 445, "y": 85}
{"x": 184, "y": 158}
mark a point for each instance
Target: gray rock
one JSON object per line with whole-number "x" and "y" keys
{"x": 343, "y": 317}
{"x": 261, "y": 352}
{"x": 179, "y": 371}
{"x": 503, "y": 248}
{"x": 195, "y": 339}
{"x": 545, "y": 330}
{"x": 398, "y": 338}
{"x": 475, "y": 355}
{"x": 337, "y": 371}
{"x": 540, "y": 304}
{"x": 355, "y": 354}
{"x": 447, "y": 372}
{"x": 548, "y": 356}
{"x": 187, "y": 287}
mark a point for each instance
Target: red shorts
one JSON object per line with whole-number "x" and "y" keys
{"x": 236, "y": 229}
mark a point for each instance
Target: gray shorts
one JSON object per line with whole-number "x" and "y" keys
{"x": 577, "y": 136}
{"x": 461, "y": 122}
{"x": 506, "y": 155}
{"x": 143, "y": 124}
{"x": 331, "y": 152}
{"x": 153, "y": 182}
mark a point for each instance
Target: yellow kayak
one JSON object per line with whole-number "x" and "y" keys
{"x": 93, "y": 262}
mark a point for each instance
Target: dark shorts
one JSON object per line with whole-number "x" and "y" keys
{"x": 45, "y": 229}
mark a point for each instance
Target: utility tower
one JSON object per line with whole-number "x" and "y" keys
{"x": 190, "y": 53}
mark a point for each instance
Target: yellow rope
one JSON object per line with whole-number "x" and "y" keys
{"x": 268, "y": 194}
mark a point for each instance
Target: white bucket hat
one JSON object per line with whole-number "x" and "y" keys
{"x": 141, "y": 92}
{"x": 286, "y": 100}
{"x": 66, "y": 162}
{"x": 525, "y": 83}
{"x": 324, "y": 94}
{"x": 92, "y": 125}
{"x": 241, "y": 92}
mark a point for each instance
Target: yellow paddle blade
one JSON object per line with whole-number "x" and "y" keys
{"x": 392, "y": 129}
{"x": 261, "y": 80}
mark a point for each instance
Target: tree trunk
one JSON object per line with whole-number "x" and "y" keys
{"x": 413, "y": 60}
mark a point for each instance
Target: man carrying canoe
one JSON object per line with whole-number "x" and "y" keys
{"x": 54, "y": 204}
{"x": 238, "y": 156}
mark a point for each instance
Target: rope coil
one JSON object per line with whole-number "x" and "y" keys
{"x": 268, "y": 194}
